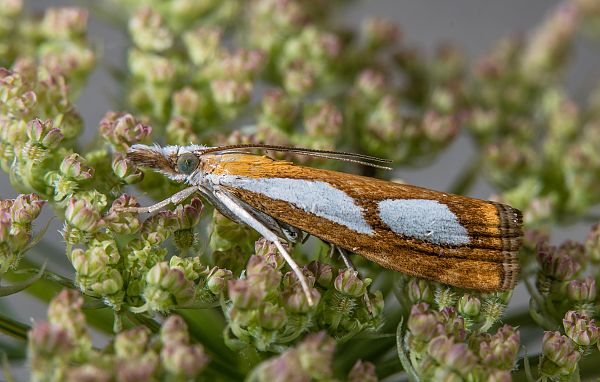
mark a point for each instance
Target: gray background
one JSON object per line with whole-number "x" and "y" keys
{"x": 473, "y": 25}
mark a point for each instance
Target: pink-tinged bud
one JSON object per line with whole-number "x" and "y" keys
{"x": 174, "y": 331}
{"x": 580, "y": 329}
{"x": 348, "y": 283}
{"x": 186, "y": 103}
{"x": 582, "y": 290}
{"x": 423, "y": 325}
{"x": 120, "y": 222}
{"x": 137, "y": 369}
{"x": 419, "y": 290}
{"x": 109, "y": 284}
{"x": 245, "y": 295}
{"x": 5, "y": 224}
{"x": 556, "y": 264}
{"x": 185, "y": 360}
{"x": 125, "y": 170}
{"x": 64, "y": 23}
{"x": 294, "y": 299}
{"x": 148, "y": 30}
{"x": 73, "y": 166}
{"x": 299, "y": 78}
{"x": 188, "y": 216}
{"x": 88, "y": 373}
{"x": 217, "y": 280}
{"x": 316, "y": 354}
{"x": 42, "y": 132}
{"x": 167, "y": 288}
{"x": 561, "y": 353}
{"x": 26, "y": 208}
{"x": 380, "y": 32}
{"x": 323, "y": 120}
{"x": 453, "y": 355}
{"x": 231, "y": 92}
{"x": 362, "y": 371}
{"x": 158, "y": 228}
{"x": 123, "y": 130}
{"x": 132, "y": 343}
{"x": 453, "y": 323}
{"x": 440, "y": 128}
{"x": 323, "y": 273}
{"x": 501, "y": 349}
{"x": 81, "y": 215}
{"x": 278, "y": 108}
{"x": 372, "y": 84}
{"x": 49, "y": 340}
{"x": 268, "y": 251}
{"x": 271, "y": 317}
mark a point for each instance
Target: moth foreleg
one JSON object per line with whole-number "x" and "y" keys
{"x": 174, "y": 199}
{"x": 244, "y": 216}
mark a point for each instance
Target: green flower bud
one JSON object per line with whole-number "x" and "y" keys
{"x": 126, "y": 171}
{"x": 556, "y": 264}
{"x": 119, "y": 222}
{"x": 132, "y": 343}
{"x": 42, "y": 133}
{"x": 231, "y": 92}
{"x": 65, "y": 311}
{"x": 167, "y": 288}
{"x": 372, "y": 84}
{"x": 149, "y": 31}
{"x": 580, "y": 329}
{"x": 64, "y": 23}
{"x": 422, "y": 324}
{"x": 203, "y": 44}
{"x": 108, "y": 284}
{"x": 191, "y": 267}
{"x": 245, "y": 295}
{"x": 73, "y": 166}
{"x": 268, "y": 251}
{"x": 217, "y": 280}
{"x": 185, "y": 360}
{"x": 26, "y": 208}
{"x": 188, "y": 216}
{"x": 439, "y": 128}
{"x": 316, "y": 354}
{"x": 294, "y": 299}
{"x": 299, "y": 79}
{"x": 271, "y": 317}
{"x": 174, "y": 331}
{"x": 582, "y": 290}
{"x": 278, "y": 109}
{"x": 88, "y": 373}
{"x": 81, "y": 215}
{"x": 158, "y": 228}
{"x": 155, "y": 70}
{"x": 137, "y": 369}
{"x": 560, "y": 355}
{"x": 469, "y": 305}
{"x": 186, "y": 103}
{"x": 453, "y": 355}
{"x": 20, "y": 237}
{"x": 348, "y": 283}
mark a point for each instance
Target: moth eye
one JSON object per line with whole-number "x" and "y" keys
{"x": 187, "y": 163}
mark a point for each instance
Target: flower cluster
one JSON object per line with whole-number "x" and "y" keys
{"x": 61, "y": 349}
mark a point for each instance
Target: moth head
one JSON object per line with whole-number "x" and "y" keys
{"x": 176, "y": 162}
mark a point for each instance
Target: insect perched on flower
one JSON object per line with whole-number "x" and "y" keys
{"x": 456, "y": 240}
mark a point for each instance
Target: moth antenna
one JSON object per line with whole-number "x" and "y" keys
{"x": 327, "y": 154}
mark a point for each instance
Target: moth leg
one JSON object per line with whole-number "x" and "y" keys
{"x": 349, "y": 265}
{"x": 175, "y": 199}
{"x": 252, "y": 222}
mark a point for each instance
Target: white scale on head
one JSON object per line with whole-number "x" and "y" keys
{"x": 315, "y": 197}
{"x": 426, "y": 220}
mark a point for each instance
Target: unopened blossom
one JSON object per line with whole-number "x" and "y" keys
{"x": 148, "y": 30}
{"x": 456, "y": 356}
{"x": 580, "y": 328}
{"x": 362, "y": 371}
{"x": 560, "y": 355}
{"x": 167, "y": 288}
{"x": 582, "y": 290}
{"x": 419, "y": 290}
{"x": 65, "y": 23}
{"x": 500, "y": 350}
{"x": 422, "y": 323}
{"x": 123, "y": 130}
{"x": 82, "y": 215}
{"x": 348, "y": 282}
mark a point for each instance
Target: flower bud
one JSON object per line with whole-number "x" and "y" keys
{"x": 560, "y": 351}
{"x": 64, "y": 23}
{"x": 186, "y": 103}
{"x": 158, "y": 228}
{"x": 379, "y": 33}
{"x": 316, "y": 354}
{"x": 323, "y": 120}
{"x": 110, "y": 283}
{"x": 123, "y": 130}
{"x": 174, "y": 330}
{"x": 469, "y": 305}
{"x": 500, "y": 350}
{"x": 419, "y": 290}
{"x": 137, "y": 369}
{"x": 26, "y": 208}
{"x": 126, "y": 171}
{"x": 49, "y": 340}
{"x": 73, "y": 166}
{"x": 278, "y": 109}
{"x": 120, "y": 222}
{"x": 244, "y": 295}
{"x": 323, "y": 273}
{"x": 217, "y": 280}
{"x": 271, "y": 317}
{"x": 88, "y": 373}
{"x": 167, "y": 288}
{"x": 267, "y": 250}
{"x": 582, "y": 290}
{"x": 580, "y": 329}
{"x": 372, "y": 84}
{"x": 348, "y": 283}
{"x": 185, "y": 360}
{"x": 203, "y": 44}
{"x": 592, "y": 243}
{"x": 132, "y": 342}
{"x": 188, "y": 216}
{"x": 453, "y": 355}
{"x": 299, "y": 79}
{"x": 555, "y": 264}
{"x": 81, "y": 215}
{"x": 149, "y": 31}
{"x": 42, "y": 132}
{"x": 231, "y": 92}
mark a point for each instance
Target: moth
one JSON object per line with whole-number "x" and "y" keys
{"x": 456, "y": 240}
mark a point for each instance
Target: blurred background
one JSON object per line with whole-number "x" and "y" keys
{"x": 472, "y": 25}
